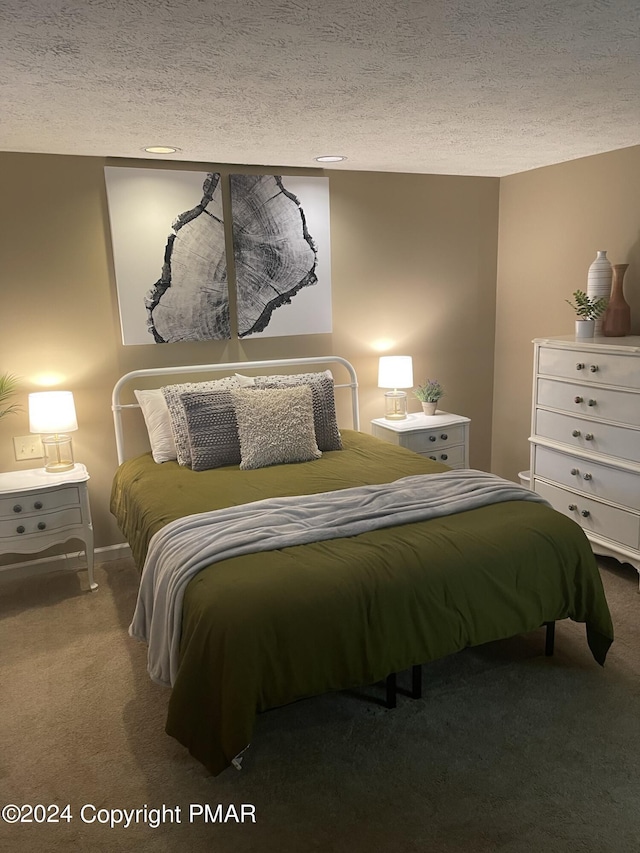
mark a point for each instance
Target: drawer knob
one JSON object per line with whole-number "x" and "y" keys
{"x": 577, "y": 399}
{"x": 444, "y": 436}
{"x": 20, "y": 529}
{"x": 41, "y": 525}
{"x": 591, "y": 403}
{"x": 575, "y": 471}
{"x": 37, "y": 505}
{"x": 579, "y": 366}
{"x": 594, "y": 368}
{"x": 588, "y": 477}
{"x": 433, "y": 457}
{"x": 443, "y": 456}
{"x": 585, "y": 513}
{"x": 17, "y": 508}
{"x": 575, "y": 433}
{"x": 432, "y": 438}
{"x": 589, "y": 436}
{"x": 573, "y": 507}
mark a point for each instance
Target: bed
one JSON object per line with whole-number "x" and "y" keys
{"x": 259, "y": 621}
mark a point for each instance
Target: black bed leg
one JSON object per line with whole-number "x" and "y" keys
{"x": 551, "y": 633}
{"x": 416, "y": 682}
{"x": 392, "y": 690}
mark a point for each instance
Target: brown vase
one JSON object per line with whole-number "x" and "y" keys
{"x": 616, "y": 322}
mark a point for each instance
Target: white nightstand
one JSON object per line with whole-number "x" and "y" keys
{"x": 442, "y": 437}
{"x": 39, "y": 509}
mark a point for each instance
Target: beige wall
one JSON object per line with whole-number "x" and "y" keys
{"x": 413, "y": 262}
{"x": 552, "y": 222}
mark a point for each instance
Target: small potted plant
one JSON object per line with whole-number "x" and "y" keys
{"x": 588, "y": 310}
{"x": 429, "y": 393}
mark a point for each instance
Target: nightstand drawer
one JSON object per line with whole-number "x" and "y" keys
{"x": 426, "y": 442}
{"x": 34, "y": 501}
{"x": 586, "y": 366}
{"x": 40, "y": 523}
{"x": 595, "y": 517}
{"x": 452, "y": 456}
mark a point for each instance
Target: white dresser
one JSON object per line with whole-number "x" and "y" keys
{"x": 443, "y": 437}
{"x": 585, "y": 437}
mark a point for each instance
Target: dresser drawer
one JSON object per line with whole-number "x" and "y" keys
{"x": 605, "y": 403}
{"x": 605, "y": 368}
{"x": 40, "y": 523}
{"x": 35, "y": 501}
{"x": 619, "y": 525}
{"x": 596, "y": 436}
{"x": 592, "y": 478}
{"x": 423, "y": 441}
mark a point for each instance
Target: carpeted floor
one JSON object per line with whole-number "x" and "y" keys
{"x": 508, "y": 751}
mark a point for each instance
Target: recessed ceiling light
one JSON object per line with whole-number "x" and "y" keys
{"x": 161, "y": 149}
{"x": 330, "y": 158}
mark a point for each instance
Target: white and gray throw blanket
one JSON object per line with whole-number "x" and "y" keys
{"x": 183, "y": 547}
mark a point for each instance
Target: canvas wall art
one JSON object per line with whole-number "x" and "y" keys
{"x": 168, "y": 240}
{"x": 282, "y": 254}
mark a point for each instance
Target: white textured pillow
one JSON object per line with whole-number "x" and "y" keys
{"x": 275, "y": 426}
{"x": 156, "y": 417}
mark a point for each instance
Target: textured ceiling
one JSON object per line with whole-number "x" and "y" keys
{"x": 468, "y": 87}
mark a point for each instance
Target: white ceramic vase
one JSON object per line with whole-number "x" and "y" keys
{"x": 585, "y": 328}
{"x": 429, "y": 408}
{"x": 599, "y": 282}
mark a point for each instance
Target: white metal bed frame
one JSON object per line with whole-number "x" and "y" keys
{"x": 229, "y": 368}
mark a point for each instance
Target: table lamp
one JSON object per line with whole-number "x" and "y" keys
{"x": 395, "y": 371}
{"x": 53, "y": 415}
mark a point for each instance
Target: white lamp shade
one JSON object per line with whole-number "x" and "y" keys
{"x": 395, "y": 371}
{"x": 52, "y": 412}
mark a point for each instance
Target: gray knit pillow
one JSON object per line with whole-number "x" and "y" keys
{"x": 324, "y": 405}
{"x": 275, "y": 426}
{"x": 212, "y": 429}
{"x": 176, "y": 410}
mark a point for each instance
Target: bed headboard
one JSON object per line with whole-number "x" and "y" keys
{"x": 164, "y": 375}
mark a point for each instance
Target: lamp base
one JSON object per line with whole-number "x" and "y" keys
{"x": 395, "y": 403}
{"x": 58, "y": 454}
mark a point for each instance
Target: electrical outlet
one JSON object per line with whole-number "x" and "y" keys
{"x": 27, "y": 447}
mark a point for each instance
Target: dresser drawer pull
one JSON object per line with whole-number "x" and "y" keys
{"x": 585, "y": 513}
{"x": 573, "y": 507}
{"x": 443, "y": 456}
{"x": 37, "y": 505}
{"x": 588, "y": 477}
{"x": 594, "y": 368}
{"x": 444, "y": 436}
{"x": 435, "y": 458}
{"x": 578, "y": 399}
{"x": 432, "y": 438}
{"x": 591, "y": 403}
{"x": 575, "y": 433}
{"x": 574, "y": 471}
{"x": 20, "y": 529}
{"x": 579, "y": 366}
{"x": 41, "y": 525}
{"x": 589, "y": 436}
{"x": 17, "y": 508}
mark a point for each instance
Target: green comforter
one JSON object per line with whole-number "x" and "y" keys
{"x": 268, "y": 628}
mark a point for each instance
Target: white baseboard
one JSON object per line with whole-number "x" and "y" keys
{"x": 73, "y": 562}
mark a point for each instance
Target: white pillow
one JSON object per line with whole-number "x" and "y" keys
{"x": 156, "y": 417}
{"x": 275, "y": 426}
